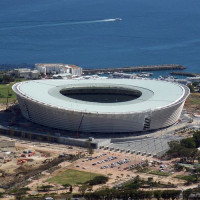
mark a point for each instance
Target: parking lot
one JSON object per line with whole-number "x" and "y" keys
{"x": 109, "y": 161}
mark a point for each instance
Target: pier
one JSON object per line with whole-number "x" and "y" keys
{"x": 185, "y": 74}
{"x": 135, "y": 69}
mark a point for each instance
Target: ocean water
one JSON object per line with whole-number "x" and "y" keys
{"x": 85, "y": 32}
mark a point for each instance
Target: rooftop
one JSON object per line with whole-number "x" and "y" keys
{"x": 155, "y": 94}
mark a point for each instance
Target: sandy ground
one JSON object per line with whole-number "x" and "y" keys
{"x": 117, "y": 175}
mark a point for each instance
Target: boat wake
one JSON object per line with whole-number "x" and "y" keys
{"x": 62, "y": 24}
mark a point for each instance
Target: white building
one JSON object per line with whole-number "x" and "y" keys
{"x": 62, "y": 76}
{"x": 194, "y": 79}
{"x": 26, "y": 73}
{"x": 58, "y": 68}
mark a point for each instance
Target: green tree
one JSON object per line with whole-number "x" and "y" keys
{"x": 186, "y": 194}
{"x": 2, "y": 194}
{"x": 197, "y": 173}
{"x": 178, "y": 167}
{"x": 98, "y": 180}
{"x": 195, "y": 84}
{"x": 166, "y": 194}
{"x": 191, "y": 87}
{"x": 66, "y": 185}
{"x": 175, "y": 194}
{"x": 174, "y": 148}
{"x": 157, "y": 194}
{"x": 45, "y": 187}
{"x": 196, "y": 137}
{"x": 188, "y": 143}
{"x": 171, "y": 194}
{"x": 19, "y": 193}
{"x": 82, "y": 189}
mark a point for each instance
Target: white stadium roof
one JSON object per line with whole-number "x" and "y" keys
{"x": 155, "y": 94}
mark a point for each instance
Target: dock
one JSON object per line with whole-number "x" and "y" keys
{"x": 134, "y": 69}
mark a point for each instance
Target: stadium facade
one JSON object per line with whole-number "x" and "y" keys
{"x": 102, "y": 105}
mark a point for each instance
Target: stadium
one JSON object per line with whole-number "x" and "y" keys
{"x": 102, "y": 105}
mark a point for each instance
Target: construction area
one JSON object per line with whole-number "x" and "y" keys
{"x": 21, "y": 160}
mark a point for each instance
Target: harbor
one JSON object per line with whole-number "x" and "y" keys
{"x": 134, "y": 69}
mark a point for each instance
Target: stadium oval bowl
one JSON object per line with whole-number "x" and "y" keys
{"x": 102, "y": 105}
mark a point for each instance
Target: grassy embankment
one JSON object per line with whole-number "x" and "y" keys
{"x": 72, "y": 177}
{"x": 193, "y": 103}
{"x": 194, "y": 99}
{"x": 7, "y": 92}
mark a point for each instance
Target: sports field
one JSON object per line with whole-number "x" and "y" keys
{"x": 72, "y": 177}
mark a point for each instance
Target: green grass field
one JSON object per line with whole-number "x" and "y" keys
{"x": 191, "y": 178}
{"x": 6, "y": 91}
{"x": 159, "y": 173}
{"x": 72, "y": 177}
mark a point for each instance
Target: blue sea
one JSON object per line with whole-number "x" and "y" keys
{"x": 84, "y": 32}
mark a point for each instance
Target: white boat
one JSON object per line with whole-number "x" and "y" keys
{"x": 118, "y": 19}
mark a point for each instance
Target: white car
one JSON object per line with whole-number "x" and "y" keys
{"x": 49, "y": 198}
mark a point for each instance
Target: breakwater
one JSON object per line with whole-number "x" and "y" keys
{"x": 185, "y": 74}
{"x": 135, "y": 69}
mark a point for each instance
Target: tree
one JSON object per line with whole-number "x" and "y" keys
{"x": 166, "y": 194}
{"x": 186, "y": 194}
{"x": 175, "y": 194}
{"x": 178, "y": 167}
{"x": 197, "y": 173}
{"x": 82, "y": 189}
{"x": 191, "y": 87}
{"x": 188, "y": 143}
{"x": 195, "y": 84}
{"x": 174, "y": 148}
{"x": 19, "y": 192}
{"x": 148, "y": 194}
{"x": 196, "y": 137}
{"x": 157, "y": 194}
{"x": 171, "y": 194}
{"x": 66, "y": 185}
{"x": 98, "y": 180}
{"x": 45, "y": 187}
{"x": 194, "y": 154}
{"x": 2, "y": 194}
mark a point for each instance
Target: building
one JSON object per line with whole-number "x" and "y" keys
{"x": 58, "y": 68}
{"x": 193, "y": 79}
{"x": 26, "y": 73}
{"x": 62, "y": 76}
{"x": 102, "y": 105}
